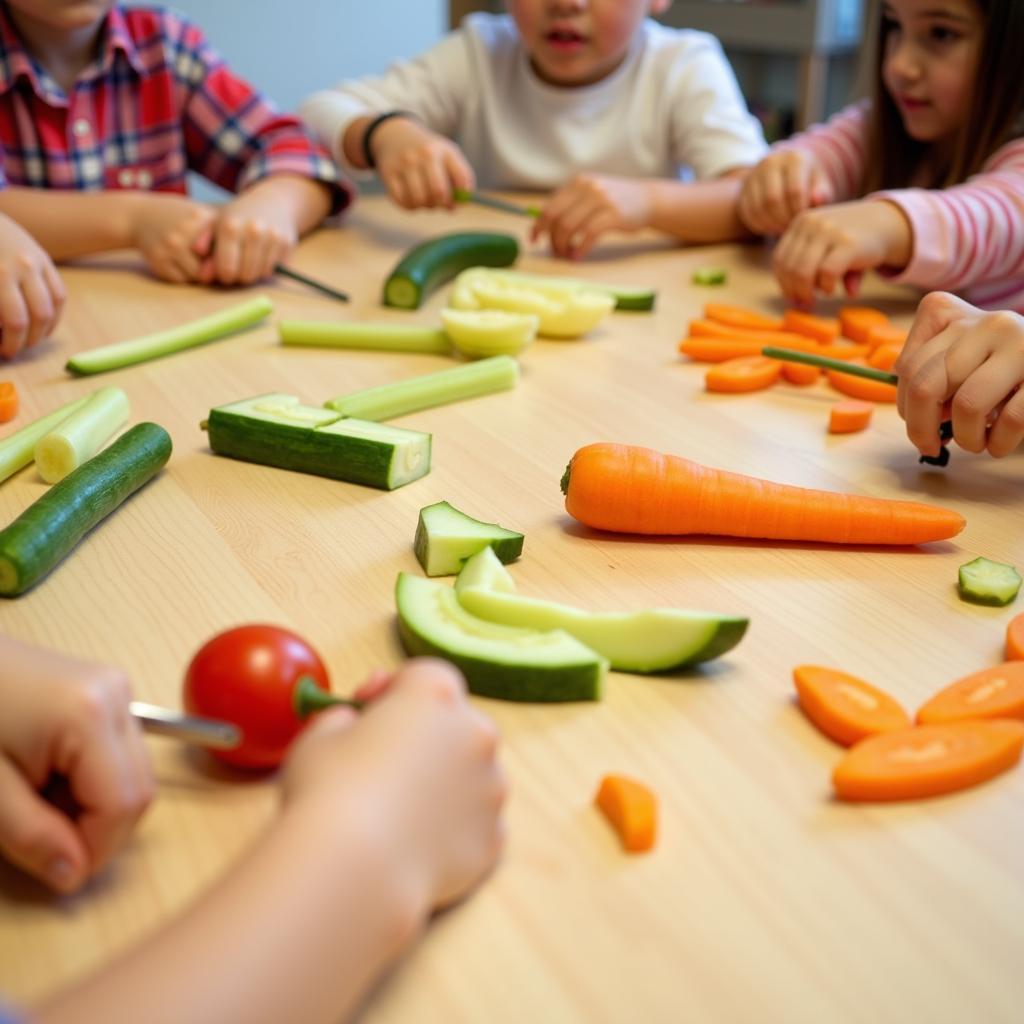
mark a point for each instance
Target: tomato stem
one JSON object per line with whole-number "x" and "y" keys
{"x": 308, "y": 698}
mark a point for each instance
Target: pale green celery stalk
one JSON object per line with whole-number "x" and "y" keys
{"x": 382, "y": 337}
{"x": 82, "y": 434}
{"x": 18, "y": 450}
{"x": 162, "y": 343}
{"x": 382, "y": 403}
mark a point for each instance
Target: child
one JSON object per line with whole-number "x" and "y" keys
{"x": 925, "y": 182}
{"x": 384, "y": 818}
{"x": 31, "y": 291}
{"x": 590, "y": 99}
{"x": 103, "y": 110}
{"x": 967, "y": 365}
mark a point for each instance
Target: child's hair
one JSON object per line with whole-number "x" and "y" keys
{"x": 995, "y": 116}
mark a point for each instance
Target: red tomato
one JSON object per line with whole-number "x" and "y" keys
{"x": 246, "y": 676}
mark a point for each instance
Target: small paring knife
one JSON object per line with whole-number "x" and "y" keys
{"x": 309, "y": 282}
{"x": 202, "y": 732}
{"x": 462, "y": 195}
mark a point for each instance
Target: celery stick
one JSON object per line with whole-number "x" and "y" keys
{"x": 18, "y": 450}
{"x": 383, "y": 337}
{"x": 82, "y": 434}
{"x": 382, "y": 403}
{"x": 162, "y": 343}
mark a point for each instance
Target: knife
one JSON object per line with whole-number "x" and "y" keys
{"x": 463, "y": 195}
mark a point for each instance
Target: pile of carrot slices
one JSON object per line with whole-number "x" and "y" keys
{"x": 967, "y": 733}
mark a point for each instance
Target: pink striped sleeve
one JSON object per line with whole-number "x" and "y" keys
{"x": 839, "y": 145}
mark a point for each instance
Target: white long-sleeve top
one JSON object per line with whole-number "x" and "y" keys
{"x": 672, "y": 108}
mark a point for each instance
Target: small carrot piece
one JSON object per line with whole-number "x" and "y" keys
{"x": 750, "y": 373}
{"x": 708, "y": 349}
{"x": 632, "y": 809}
{"x": 856, "y": 321}
{"x": 713, "y": 329}
{"x": 849, "y": 417}
{"x": 801, "y": 374}
{"x": 1015, "y": 638}
{"x": 738, "y": 316}
{"x": 885, "y": 334}
{"x": 846, "y": 709}
{"x": 629, "y": 489}
{"x": 859, "y": 387}
{"x": 844, "y": 350}
{"x": 928, "y": 760}
{"x": 823, "y": 329}
{"x": 884, "y": 356}
{"x": 995, "y": 692}
{"x": 9, "y": 400}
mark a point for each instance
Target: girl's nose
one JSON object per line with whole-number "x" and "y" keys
{"x": 902, "y": 60}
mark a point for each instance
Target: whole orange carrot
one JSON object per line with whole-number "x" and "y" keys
{"x": 628, "y": 489}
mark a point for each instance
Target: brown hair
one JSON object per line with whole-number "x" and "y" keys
{"x": 995, "y": 115}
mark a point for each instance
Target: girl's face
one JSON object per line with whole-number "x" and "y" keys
{"x": 930, "y": 63}
{"x": 579, "y": 42}
{"x": 62, "y": 15}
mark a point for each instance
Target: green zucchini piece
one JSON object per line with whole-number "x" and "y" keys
{"x": 446, "y": 537}
{"x": 652, "y": 640}
{"x": 435, "y": 262}
{"x": 18, "y": 450}
{"x": 276, "y": 430}
{"x": 380, "y": 337}
{"x": 497, "y": 661}
{"x": 175, "y": 339}
{"x": 497, "y": 373}
{"x": 628, "y": 298}
{"x": 986, "y": 582}
{"x": 709, "y": 275}
{"x": 49, "y": 528}
{"x": 82, "y": 434}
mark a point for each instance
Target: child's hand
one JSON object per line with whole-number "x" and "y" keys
{"x": 969, "y": 362}
{"x": 588, "y": 206}
{"x": 418, "y": 167}
{"x": 165, "y": 231}
{"x": 780, "y": 187}
{"x": 67, "y": 718}
{"x": 835, "y": 244}
{"x": 31, "y": 291}
{"x": 416, "y": 774}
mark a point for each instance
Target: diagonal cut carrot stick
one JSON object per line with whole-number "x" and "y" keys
{"x": 823, "y": 329}
{"x": 995, "y": 692}
{"x": 846, "y": 709}
{"x": 739, "y": 316}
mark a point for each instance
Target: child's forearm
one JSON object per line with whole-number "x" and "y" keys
{"x": 700, "y": 211}
{"x": 306, "y": 200}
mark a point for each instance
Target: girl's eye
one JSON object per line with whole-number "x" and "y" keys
{"x": 942, "y": 34}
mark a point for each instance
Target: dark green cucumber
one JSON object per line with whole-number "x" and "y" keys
{"x": 435, "y": 262}
{"x": 275, "y": 430}
{"x": 49, "y": 528}
{"x": 446, "y": 537}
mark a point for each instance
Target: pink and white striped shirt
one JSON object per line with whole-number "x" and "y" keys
{"x": 968, "y": 238}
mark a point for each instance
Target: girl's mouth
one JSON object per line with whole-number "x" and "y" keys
{"x": 911, "y": 103}
{"x": 564, "y": 40}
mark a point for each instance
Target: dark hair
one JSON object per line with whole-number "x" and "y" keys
{"x": 995, "y": 115}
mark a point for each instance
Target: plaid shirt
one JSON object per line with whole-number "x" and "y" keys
{"x": 156, "y": 102}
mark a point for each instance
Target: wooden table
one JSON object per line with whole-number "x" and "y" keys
{"x": 765, "y": 900}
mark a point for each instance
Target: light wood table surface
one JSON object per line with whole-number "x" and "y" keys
{"x": 764, "y": 900}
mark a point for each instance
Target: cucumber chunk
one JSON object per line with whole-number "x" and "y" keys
{"x": 379, "y": 337}
{"x": 446, "y": 537}
{"x": 497, "y": 661}
{"x": 986, "y": 582}
{"x": 82, "y": 434}
{"x": 277, "y": 430}
{"x": 652, "y": 640}
{"x": 709, "y": 275}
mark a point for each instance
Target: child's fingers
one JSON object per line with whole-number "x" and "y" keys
{"x": 984, "y": 388}
{"x": 796, "y": 176}
{"x": 935, "y": 313}
{"x": 460, "y": 174}
{"x": 437, "y": 183}
{"x": 227, "y": 249}
{"x": 599, "y": 222}
{"x": 1007, "y": 432}
{"x": 835, "y": 266}
{"x": 567, "y": 228}
{"x": 926, "y": 392}
{"x": 255, "y": 244}
{"x": 40, "y": 308}
{"x": 377, "y": 684}
{"x": 431, "y": 677}
{"x": 394, "y": 182}
{"x": 14, "y": 319}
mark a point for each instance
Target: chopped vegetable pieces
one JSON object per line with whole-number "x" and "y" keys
{"x": 632, "y": 809}
{"x": 8, "y": 401}
{"x": 820, "y": 328}
{"x": 748, "y": 373}
{"x": 856, "y": 322}
{"x": 845, "y": 708}
{"x": 709, "y": 275}
{"x": 861, "y": 387}
{"x": 738, "y": 316}
{"x": 849, "y": 417}
{"x": 995, "y": 692}
{"x": 983, "y": 581}
{"x": 1015, "y": 639}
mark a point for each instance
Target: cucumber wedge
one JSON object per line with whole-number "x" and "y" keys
{"x": 377, "y": 337}
{"x": 276, "y": 430}
{"x": 986, "y": 582}
{"x": 652, "y": 640}
{"x": 497, "y": 661}
{"x": 446, "y": 537}
{"x": 437, "y": 261}
{"x": 48, "y": 529}
{"x": 18, "y": 449}
{"x": 81, "y": 435}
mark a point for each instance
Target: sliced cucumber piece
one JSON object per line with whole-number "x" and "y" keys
{"x": 497, "y": 661}
{"x": 162, "y": 343}
{"x": 18, "y": 450}
{"x": 380, "y": 337}
{"x": 479, "y": 333}
{"x": 986, "y": 582}
{"x": 82, "y": 434}
{"x": 277, "y": 430}
{"x": 709, "y": 275}
{"x": 446, "y": 537}
{"x": 485, "y": 569}
{"x": 498, "y": 373}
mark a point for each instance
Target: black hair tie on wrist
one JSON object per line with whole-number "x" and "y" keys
{"x": 372, "y": 127}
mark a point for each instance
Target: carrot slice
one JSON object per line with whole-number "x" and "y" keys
{"x": 632, "y": 809}
{"x": 860, "y": 387}
{"x": 823, "y": 329}
{"x": 718, "y": 350}
{"x": 713, "y": 329}
{"x": 9, "y": 400}
{"x": 884, "y": 356}
{"x": 996, "y": 692}
{"x": 856, "y": 321}
{"x": 928, "y": 760}
{"x": 846, "y": 709}
{"x": 845, "y": 350}
{"x": 738, "y": 316}
{"x": 801, "y": 374}
{"x": 885, "y": 334}
{"x": 1015, "y": 638}
{"x": 750, "y": 373}
{"x": 849, "y": 417}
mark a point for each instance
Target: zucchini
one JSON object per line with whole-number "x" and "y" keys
{"x": 82, "y": 434}
{"x": 498, "y": 373}
{"x": 276, "y": 430}
{"x": 437, "y": 261}
{"x": 49, "y": 528}
{"x": 497, "y": 661}
{"x": 709, "y": 275}
{"x": 628, "y": 298}
{"x": 478, "y": 333}
{"x": 162, "y": 343}
{"x": 446, "y": 537}
{"x": 986, "y": 582}
{"x": 18, "y": 450}
{"x": 379, "y": 337}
